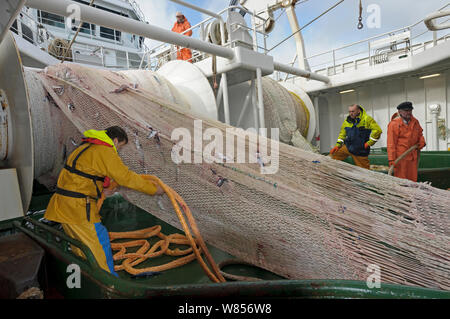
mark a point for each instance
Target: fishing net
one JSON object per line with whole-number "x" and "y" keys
{"x": 286, "y": 111}
{"x": 316, "y": 218}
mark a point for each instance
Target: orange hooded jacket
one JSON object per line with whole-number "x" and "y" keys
{"x": 400, "y": 138}
{"x": 183, "y": 53}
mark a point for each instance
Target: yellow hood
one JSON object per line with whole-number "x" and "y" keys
{"x": 100, "y": 135}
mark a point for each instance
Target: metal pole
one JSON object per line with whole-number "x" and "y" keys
{"x": 127, "y": 25}
{"x": 316, "y": 109}
{"x": 219, "y": 94}
{"x": 102, "y": 55}
{"x": 292, "y": 63}
{"x": 224, "y": 80}
{"x": 265, "y": 43}
{"x": 12, "y": 17}
{"x": 334, "y": 62}
{"x": 293, "y": 22}
{"x": 434, "y": 110}
{"x": 142, "y": 60}
{"x": 255, "y": 39}
{"x": 226, "y": 106}
{"x": 296, "y": 71}
{"x": 246, "y": 103}
{"x": 149, "y": 61}
{"x": 262, "y": 122}
{"x": 200, "y": 9}
{"x": 255, "y": 105}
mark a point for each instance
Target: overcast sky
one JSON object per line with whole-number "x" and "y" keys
{"x": 336, "y": 28}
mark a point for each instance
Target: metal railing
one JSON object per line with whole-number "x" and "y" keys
{"x": 162, "y": 53}
{"x": 39, "y": 34}
{"x": 137, "y": 9}
{"x": 361, "y": 52}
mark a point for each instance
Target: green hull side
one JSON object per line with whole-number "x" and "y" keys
{"x": 189, "y": 280}
{"x": 434, "y": 166}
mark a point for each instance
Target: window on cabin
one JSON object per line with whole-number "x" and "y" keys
{"x": 110, "y": 34}
{"x": 14, "y": 27}
{"x": 86, "y": 28}
{"x": 51, "y": 19}
{"x": 27, "y": 34}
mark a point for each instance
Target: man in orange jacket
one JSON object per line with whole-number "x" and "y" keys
{"x": 404, "y": 132}
{"x": 80, "y": 184}
{"x": 181, "y": 25}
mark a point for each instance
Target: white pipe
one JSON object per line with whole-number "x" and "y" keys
{"x": 246, "y": 103}
{"x": 114, "y": 21}
{"x": 434, "y": 110}
{"x": 200, "y": 9}
{"x": 317, "y": 133}
{"x": 255, "y": 105}
{"x": 262, "y": 122}
{"x": 296, "y": 71}
{"x": 11, "y": 20}
{"x": 293, "y": 22}
{"x": 432, "y": 26}
{"x": 226, "y": 106}
{"x": 219, "y": 95}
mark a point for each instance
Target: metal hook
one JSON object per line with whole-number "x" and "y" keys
{"x": 360, "y": 25}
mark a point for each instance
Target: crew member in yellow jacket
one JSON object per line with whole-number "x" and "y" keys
{"x": 358, "y": 133}
{"x": 88, "y": 169}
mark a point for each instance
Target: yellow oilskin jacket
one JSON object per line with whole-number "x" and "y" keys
{"x": 80, "y": 182}
{"x": 356, "y": 132}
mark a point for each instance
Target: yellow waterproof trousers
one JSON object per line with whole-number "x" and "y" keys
{"x": 95, "y": 236}
{"x": 343, "y": 153}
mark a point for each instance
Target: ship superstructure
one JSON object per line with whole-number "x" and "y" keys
{"x": 94, "y": 45}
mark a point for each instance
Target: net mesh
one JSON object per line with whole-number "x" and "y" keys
{"x": 316, "y": 218}
{"x": 285, "y": 111}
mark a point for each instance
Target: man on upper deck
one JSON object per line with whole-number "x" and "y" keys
{"x": 181, "y": 25}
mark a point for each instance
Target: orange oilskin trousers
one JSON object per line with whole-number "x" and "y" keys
{"x": 183, "y": 53}
{"x": 400, "y": 138}
{"x": 343, "y": 153}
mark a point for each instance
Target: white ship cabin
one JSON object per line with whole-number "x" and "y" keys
{"x": 95, "y": 45}
{"x": 408, "y": 64}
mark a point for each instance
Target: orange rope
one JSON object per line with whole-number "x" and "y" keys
{"x": 145, "y": 251}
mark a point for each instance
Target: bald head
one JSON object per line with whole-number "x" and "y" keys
{"x": 354, "y": 110}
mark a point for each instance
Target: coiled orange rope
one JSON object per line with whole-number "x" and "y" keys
{"x": 146, "y": 251}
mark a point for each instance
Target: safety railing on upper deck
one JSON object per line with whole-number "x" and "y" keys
{"x": 385, "y": 47}
{"x": 160, "y": 54}
{"x": 137, "y": 9}
{"x": 36, "y": 31}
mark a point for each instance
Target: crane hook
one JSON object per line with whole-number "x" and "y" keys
{"x": 360, "y": 25}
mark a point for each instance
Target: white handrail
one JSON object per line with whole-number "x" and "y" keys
{"x": 110, "y": 20}
{"x": 432, "y": 26}
{"x": 373, "y": 37}
{"x": 210, "y": 18}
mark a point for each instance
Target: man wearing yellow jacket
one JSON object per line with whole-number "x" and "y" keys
{"x": 80, "y": 185}
{"x": 358, "y": 133}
